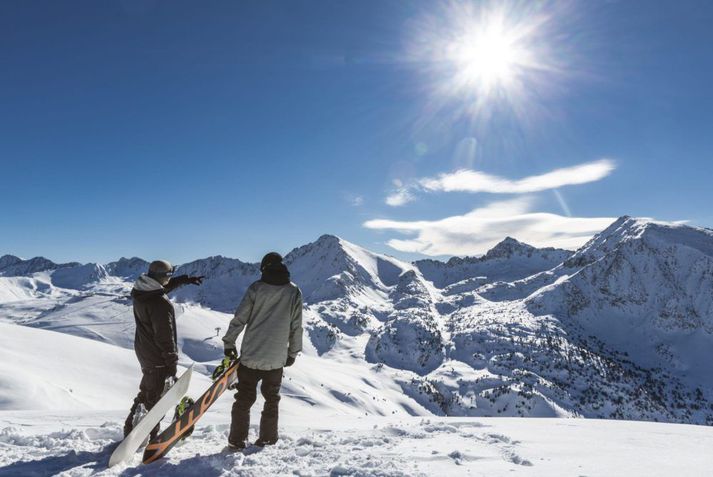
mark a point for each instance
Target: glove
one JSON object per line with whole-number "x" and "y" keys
{"x": 195, "y": 280}
{"x": 290, "y": 361}
{"x": 171, "y": 369}
{"x": 231, "y": 353}
{"x": 178, "y": 281}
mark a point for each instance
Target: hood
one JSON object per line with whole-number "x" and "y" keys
{"x": 146, "y": 286}
{"x": 276, "y": 274}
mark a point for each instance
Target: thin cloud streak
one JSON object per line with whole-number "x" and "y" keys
{"x": 479, "y": 230}
{"x": 468, "y": 180}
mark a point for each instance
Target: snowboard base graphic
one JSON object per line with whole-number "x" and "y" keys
{"x": 141, "y": 431}
{"x": 177, "y": 430}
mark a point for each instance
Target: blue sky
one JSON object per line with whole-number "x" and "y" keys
{"x": 188, "y": 129}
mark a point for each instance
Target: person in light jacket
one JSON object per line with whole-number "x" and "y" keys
{"x": 271, "y": 315}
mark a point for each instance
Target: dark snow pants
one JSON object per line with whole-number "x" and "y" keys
{"x": 245, "y": 398}
{"x": 150, "y": 390}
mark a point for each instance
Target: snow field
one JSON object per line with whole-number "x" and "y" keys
{"x": 368, "y": 446}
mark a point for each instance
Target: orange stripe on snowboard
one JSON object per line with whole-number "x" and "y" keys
{"x": 170, "y": 437}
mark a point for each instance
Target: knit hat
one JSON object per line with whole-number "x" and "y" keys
{"x": 269, "y": 260}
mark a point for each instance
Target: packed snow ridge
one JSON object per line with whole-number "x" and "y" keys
{"x": 621, "y": 328}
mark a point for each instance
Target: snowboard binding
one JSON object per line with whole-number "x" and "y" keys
{"x": 181, "y": 409}
{"x": 224, "y": 365}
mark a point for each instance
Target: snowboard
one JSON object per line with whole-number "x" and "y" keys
{"x": 141, "y": 431}
{"x": 178, "y": 429}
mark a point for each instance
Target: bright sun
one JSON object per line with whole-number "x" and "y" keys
{"x": 489, "y": 57}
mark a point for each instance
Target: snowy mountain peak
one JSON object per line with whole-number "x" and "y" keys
{"x": 509, "y": 260}
{"x": 655, "y": 233}
{"x": 330, "y": 267}
{"x": 8, "y": 260}
{"x": 127, "y": 268}
{"x": 328, "y": 239}
{"x": 507, "y": 248}
{"x": 14, "y": 266}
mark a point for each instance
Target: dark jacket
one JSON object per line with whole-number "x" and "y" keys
{"x": 155, "y": 342}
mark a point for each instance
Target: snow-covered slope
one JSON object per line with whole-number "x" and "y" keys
{"x": 22, "y": 288}
{"x": 644, "y": 288}
{"x": 332, "y": 268}
{"x": 79, "y": 444}
{"x": 459, "y": 340}
{"x": 225, "y": 282}
{"x": 620, "y": 329}
{"x": 127, "y": 268}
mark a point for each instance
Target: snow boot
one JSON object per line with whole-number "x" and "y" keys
{"x": 265, "y": 442}
{"x": 237, "y": 446}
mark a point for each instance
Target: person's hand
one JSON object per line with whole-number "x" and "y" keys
{"x": 196, "y": 280}
{"x": 290, "y": 361}
{"x": 231, "y": 353}
{"x": 171, "y": 369}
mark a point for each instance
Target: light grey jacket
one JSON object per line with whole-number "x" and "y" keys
{"x": 272, "y": 318}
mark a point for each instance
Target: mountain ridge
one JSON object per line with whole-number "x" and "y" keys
{"x": 620, "y": 328}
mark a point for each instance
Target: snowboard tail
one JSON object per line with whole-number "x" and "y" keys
{"x": 178, "y": 429}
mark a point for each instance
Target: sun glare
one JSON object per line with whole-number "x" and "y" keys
{"x": 490, "y": 54}
{"x": 487, "y": 58}
{"x": 482, "y": 55}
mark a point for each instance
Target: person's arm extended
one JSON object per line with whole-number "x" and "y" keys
{"x": 240, "y": 319}
{"x": 181, "y": 280}
{"x": 296, "y": 326}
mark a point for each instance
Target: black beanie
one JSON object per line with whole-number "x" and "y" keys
{"x": 269, "y": 260}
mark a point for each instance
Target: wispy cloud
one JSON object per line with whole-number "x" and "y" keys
{"x": 479, "y": 230}
{"x": 400, "y": 197}
{"x": 354, "y": 200}
{"x": 468, "y": 180}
